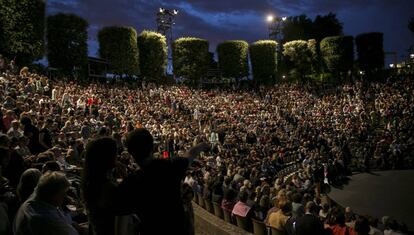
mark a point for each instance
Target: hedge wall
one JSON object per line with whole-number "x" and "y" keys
{"x": 190, "y": 58}
{"x": 338, "y": 53}
{"x": 232, "y": 58}
{"x": 153, "y": 54}
{"x": 263, "y": 60}
{"x": 118, "y": 45}
{"x": 67, "y": 38}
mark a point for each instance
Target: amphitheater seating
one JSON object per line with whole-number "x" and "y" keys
{"x": 244, "y": 223}
{"x": 274, "y": 231}
{"x": 227, "y": 217}
{"x": 201, "y": 200}
{"x": 209, "y": 206}
{"x": 217, "y": 210}
{"x": 259, "y": 228}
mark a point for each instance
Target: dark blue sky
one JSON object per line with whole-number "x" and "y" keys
{"x": 219, "y": 20}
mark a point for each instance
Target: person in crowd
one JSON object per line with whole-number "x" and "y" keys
{"x": 279, "y": 218}
{"x": 337, "y": 223}
{"x": 32, "y": 133}
{"x": 27, "y": 184}
{"x": 309, "y": 224}
{"x": 41, "y": 213}
{"x": 362, "y": 226}
{"x": 241, "y": 208}
{"x": 99, "y": 186}
{"x": 156, "y": 186}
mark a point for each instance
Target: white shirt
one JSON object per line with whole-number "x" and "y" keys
{"x": 36, "y": 217}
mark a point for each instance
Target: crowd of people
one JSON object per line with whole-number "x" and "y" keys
{"x": 115, "y": 154}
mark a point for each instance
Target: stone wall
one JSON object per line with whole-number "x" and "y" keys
{"x": 208, "y": 224}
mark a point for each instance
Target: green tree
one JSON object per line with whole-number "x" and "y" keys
{"x": 22, "y": 23}
{"x": 153, "y": 54}
{"x": 326, "y": 26}
{"x": 67, "y": 45}
{"x": 118, "y": 45}
{"x": 263, "y": 59}
{"x": 300, "y": 55}
{"x": 297, "y": 27}
{"x": 370, "y": 51}
{"x": 338, "y": 53}
{"x": 191, "y": 58}
{"x": 232, "y": 56}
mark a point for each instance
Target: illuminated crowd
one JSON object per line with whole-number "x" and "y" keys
{"x": 273, "y": 151}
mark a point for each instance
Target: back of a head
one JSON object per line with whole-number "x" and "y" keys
{"x": 28, "y": 182}
{"x": 285, "y": 206}
{"x": 243, "y": 195}
{"x": 311, "y": 207}
{"x": 140, "y": 144}
{"x": 362, "y": 226}
{"x": 51, "y": 185}
{"x": 100, "y": 156}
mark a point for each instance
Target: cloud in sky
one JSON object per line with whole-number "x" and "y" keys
{"x": 219, "y": 20}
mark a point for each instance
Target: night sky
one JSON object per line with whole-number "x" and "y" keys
{"x": 219, "y": 20}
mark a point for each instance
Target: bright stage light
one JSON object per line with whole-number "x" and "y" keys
{"x": 270, "y": 18}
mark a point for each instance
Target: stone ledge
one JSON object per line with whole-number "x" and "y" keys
{"x": 206, "y": 223}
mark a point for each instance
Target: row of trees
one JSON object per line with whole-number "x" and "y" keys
{"x": 22, "y": 24}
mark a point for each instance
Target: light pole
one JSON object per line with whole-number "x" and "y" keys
{"x": 275, "y": 25}
{"x": 165, "y": 22}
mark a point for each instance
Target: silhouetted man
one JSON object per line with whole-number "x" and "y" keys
{"x": 154, "y": 191}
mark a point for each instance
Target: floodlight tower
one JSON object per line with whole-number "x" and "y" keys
{"x": 165, "y": 23}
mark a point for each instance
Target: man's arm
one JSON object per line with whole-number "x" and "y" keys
{"x": 193, "y": 153}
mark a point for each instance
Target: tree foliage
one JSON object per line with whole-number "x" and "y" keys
{"x": 191, "y": 58}
{"x": 118, "y": 45}
{"x": 338, "y": 53}
{"x": 297, "y": 27}
{"x": 153, "y": 54}
{"x": 326, "y": 26}
{"x": 22, "y": 32}
{"x": 263, "y": 59}
{"x": 370, "y": 50}
{"x": 232, "y": 56}
{"x": 67, "y": 46}
{"x": 300, "y": 54}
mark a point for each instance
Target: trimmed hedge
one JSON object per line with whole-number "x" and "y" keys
{"x": 300, "y": 54}
{"x": 153, "y": 54}
{"x": 263, "y": 59}
{"x": 191, "y": 58}
{"x": 338, "y": 53}
{"x": 118, "y": 45}
{"x": 67, "y": 38}
{"x": 22, "y": 25}
{"x": 370, "y": 50}
{"x": 232, "y": 58}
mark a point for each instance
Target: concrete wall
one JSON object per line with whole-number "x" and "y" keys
{"x": 208, "y": 224}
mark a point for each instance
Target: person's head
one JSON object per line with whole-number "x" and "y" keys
{"x": 25, "y": 121}
{"x": 27, "y": 183}
{"x": 243, "y": 196}
{"x": 362, "y": 226}
{"x": 50, "y": 166}
{"x": 15, "y": 124}
{"x": 311, "y": 208}
{"x": 140, "y": 145}
{"x": 52, "y": 188}
{"x": 297, "y": 198}
{"x": 285, "y": 206}
{"x": 100, "y": 157}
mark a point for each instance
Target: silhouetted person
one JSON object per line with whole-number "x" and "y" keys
{"x": 99, "y": 185}
{"x": 154, "y": 191}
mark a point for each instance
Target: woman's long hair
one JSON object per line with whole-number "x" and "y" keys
{"x": 100, "y": 158}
